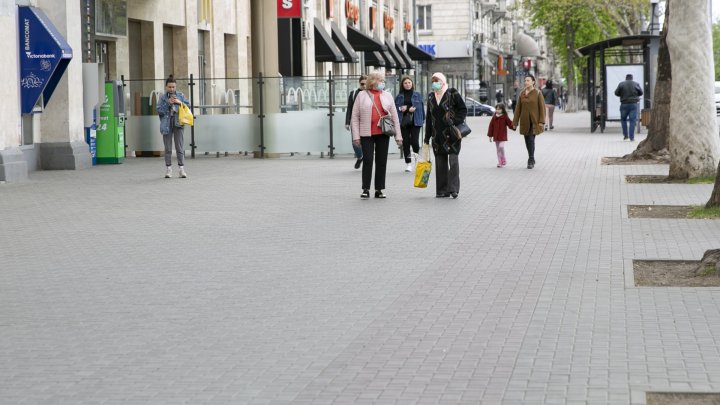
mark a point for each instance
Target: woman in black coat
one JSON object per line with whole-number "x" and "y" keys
{"x": 445, "y": 109}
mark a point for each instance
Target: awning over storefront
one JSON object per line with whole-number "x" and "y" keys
{"x": 398, "y": 59}
{"x": 362, "y": 42}
{"x": 44, "y": 56}
{"x": 390, "y": 61}
{"x": 325, "y": 49}
{"x": 526, "y": 45}
{"x": 418, "y": 54}
{"x": 343, "y": 44}
{"x": 406, "y": 58}
{"x": 374, "y": 59}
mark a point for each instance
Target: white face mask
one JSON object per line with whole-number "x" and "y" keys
{"x": 381, "y": 86}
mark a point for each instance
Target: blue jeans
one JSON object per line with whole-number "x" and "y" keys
{"x": 628, "y": 112}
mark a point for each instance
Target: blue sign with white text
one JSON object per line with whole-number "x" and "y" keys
{"x": 44, "y": 57}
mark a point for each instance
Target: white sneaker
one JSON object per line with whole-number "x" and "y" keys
{"x": 168, "y": 172}
{"x": 183, "y": 175}
{"x": 409, "y": 167}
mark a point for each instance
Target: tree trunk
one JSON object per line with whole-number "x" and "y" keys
{"x": 693, "y": 137}
{"x": 655, "y": 145}
{"x": 715, "y": 196}
{"x": 710, "y": 263}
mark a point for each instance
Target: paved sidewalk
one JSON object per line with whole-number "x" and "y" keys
{"x": 271, "y": 282}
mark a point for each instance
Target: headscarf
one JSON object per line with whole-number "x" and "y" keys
{"x": 442, "y": 79}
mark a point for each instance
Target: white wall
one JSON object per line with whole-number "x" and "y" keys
{"x": 10, "y": 129}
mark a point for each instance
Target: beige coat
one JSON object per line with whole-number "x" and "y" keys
{"x": 530, "y": 111}
{"x": 362, "y": 114}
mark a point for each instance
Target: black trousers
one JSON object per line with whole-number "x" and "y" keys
{"x": 530, "y": 145}
{"x": 411, "y": 137}
{"x": 447, "y": 174}
{"x": 374, "y": 146}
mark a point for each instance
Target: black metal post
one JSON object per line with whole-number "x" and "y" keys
{"x": 331, "y": 112}
{"x": 261, "y": 82}
{"x": 125, "y": 146}
{"x": 192, "y": 128}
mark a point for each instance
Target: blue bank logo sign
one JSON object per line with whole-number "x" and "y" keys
{"x": 44, "y": 56}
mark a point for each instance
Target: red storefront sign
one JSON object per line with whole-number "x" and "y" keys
{"x": 289, "y": 8}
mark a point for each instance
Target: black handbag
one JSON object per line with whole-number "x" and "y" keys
{"x": 463, "y": 128}
{"x": 407, "y": 120}
{"x": 386, "y": 122}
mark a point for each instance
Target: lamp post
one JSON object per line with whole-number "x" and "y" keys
{"x": 654, "y": 26}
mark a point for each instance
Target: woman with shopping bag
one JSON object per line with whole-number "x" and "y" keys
{"x": 171, "y": 128}
{"x": 445, "y": 110}
{"x": 374, "y": 116}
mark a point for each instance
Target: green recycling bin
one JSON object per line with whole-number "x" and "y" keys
{"x": 110, "y": 135}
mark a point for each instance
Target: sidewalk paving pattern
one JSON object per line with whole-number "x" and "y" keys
{"x": 272, "y": 282}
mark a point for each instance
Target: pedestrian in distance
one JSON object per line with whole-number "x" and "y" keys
{"x": 497, "y": 132}
{"x": 530, "y": 116}
{"x": 499, "y": 96}
{"x": 629, "y": 92}
{"x": 167, "y": 107}
{"x": 445, "y": 109}
{"x": 348, "y": 115}
{"x": 369, "y": 106}
{"x": 551, "y": 98}
{"x": 411, "y": 110}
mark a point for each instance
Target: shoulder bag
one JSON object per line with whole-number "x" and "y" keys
{"x": 385, "y": 123}
{"x": 462, "y": 128}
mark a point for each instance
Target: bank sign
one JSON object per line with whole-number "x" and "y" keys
{"x": 44, "y": 56}
{"x": 289, "y": 8}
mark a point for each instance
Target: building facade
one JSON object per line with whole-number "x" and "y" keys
{"x": 488, "y": 42}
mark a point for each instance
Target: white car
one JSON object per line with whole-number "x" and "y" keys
{"x": 717, "y": 98}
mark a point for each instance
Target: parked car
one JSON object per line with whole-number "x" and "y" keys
{"x": 717, "y": 98}
{"x": 475, "y": 108}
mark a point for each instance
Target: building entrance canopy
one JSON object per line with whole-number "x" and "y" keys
{"x": 362, "y": 42}
{"x": 418, "y": 54}
{"x": 325, "y": 48}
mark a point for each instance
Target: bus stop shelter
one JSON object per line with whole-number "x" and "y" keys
{"x": 634, "y": 54}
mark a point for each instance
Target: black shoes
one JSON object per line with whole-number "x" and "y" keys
{"x": 531, "y": 164}
{"x": 454, "y": 195}
{"x": 366, "y": 194}
{"x": 358, "y": 163}
{"x": 443, "y": 195}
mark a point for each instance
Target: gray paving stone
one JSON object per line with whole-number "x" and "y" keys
{"x": 271, "y": 282}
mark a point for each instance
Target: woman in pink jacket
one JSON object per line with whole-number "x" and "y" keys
{"x": 369, "y": 106}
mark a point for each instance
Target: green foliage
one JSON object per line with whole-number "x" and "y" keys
{"x": 716, "y": 48}
{"x": 702, "y": 180}
{"x": 709, "y": 270}
{"x": 572, "y": 24}
{"x": 700, "y": 212}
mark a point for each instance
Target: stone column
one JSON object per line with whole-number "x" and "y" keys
{"x": 62, "y": 143}
{"x": 13, "y": 167}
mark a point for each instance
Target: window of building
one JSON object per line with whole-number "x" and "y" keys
{"x": 424, "y": 20}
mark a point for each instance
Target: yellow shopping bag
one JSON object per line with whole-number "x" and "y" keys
{"x": 185, "y": 116}
{"x": 422, "y": 174}
{"x": 423, "y": 168}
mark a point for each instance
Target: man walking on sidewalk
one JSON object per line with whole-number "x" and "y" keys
{"x": 629, "y": 92}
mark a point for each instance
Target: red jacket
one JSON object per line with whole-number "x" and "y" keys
{"x": 498, "y": 127}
